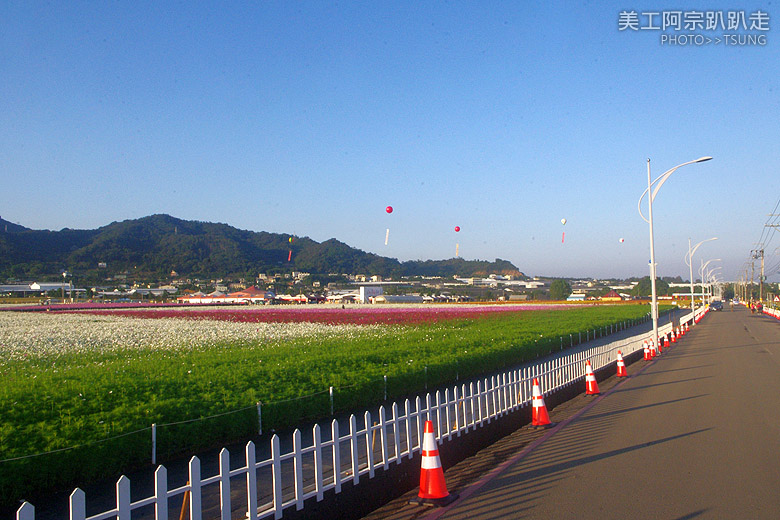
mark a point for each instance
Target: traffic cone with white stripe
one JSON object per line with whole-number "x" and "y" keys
{"x": 653, "y": 351}
{"x": 591, "y": 386}
{"x": 674, "y": 337}
{"x": 433, "y": 490}
{"x": 539, "y": 416}
{"x": 686, "y": 326}
{"x": 621, "y": 365}
{"x": 660, "y": 345}
{"x": 647, "y": 351}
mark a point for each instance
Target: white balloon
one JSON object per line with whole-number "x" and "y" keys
{"x": 563, "y": 221}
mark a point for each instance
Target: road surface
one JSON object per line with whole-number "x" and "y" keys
{"x": 693, "y": 434}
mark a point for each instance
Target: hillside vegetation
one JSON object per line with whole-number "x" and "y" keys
{"x": 156, "y": 245}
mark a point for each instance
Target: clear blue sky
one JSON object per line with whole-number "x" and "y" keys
{"x": 311, "y": 117}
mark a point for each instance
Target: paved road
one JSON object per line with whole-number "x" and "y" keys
{"x": 693, "y": 434}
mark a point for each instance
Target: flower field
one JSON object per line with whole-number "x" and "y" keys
{"x": 358, "y": 315}
{"x": 96, "y": 380}
{"x": 48, "y": 336}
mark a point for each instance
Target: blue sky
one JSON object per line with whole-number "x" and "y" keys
{"x": 311, "y": 117}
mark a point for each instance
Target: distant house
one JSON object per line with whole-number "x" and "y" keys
{"x": 611, "y": 296}
{"x": 576, "y": 297}
{"x": 251, "y": 294}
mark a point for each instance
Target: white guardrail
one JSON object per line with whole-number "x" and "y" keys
{"x": 325, "y": 464}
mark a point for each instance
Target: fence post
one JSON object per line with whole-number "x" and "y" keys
{"x": 154, "y": 443}
{"x": 259, "y": 418}
{"x": 195, "y": 489}
{"x": 78, "y": 505}
{"x": 385, "y": 378}
{"x": 161, "y": 492}
{"x": 26, "y": 512}
{"x": 251, "y": 479}
{"x": 224, "y": 484}
{"x": 123, "y": 498}
{"x": 330, "y": 391}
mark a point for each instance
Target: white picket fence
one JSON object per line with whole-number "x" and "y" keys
{"x": 288, "y": 479}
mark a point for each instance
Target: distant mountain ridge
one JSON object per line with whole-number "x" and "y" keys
{"x": 158, "y": 244}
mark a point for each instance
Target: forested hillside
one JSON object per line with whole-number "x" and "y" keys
{"x": 156, "y": 245}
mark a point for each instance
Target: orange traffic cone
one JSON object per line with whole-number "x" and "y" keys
{"x": 433, "y": 490}
{"x": 686, "y": 326}
{"x": 653, "y": 351}
{"x": 591, "y": 386}
{"x": 621, "y": 365}
{"x": 674, "y": 336}
{"x": 539, "y": 415}
{"x": 647, "y": 351}
{"x": 660, "y": 345}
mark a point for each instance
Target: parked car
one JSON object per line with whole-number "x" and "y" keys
{"x": 717, "y": 305}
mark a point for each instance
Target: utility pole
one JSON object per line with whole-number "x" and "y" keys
{"x": 775, "y": 226}
{"x": 759, "y": 253}
{"x": 752, "y": 274}
{"x": 761, "y": 281}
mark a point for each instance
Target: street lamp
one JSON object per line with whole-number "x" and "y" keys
{"x": 689, "y": 262}
{"x": 651, "y": 193}
{"x": 701, "y": 273}
{"x": 711, "y": 279}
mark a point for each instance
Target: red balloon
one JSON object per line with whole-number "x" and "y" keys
{"x": 389, "y": 209}
{"x": 457, "y": 228}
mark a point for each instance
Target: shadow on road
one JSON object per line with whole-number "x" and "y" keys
{"x": 561, "y": 465}
{"x": 624, "y": 410}
{"x": 664, "y": 383}
{"x": 692, "y": 515}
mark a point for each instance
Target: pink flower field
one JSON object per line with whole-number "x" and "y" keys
{"x": 359, "y": 315}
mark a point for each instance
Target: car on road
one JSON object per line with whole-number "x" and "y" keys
{"x": 716, "y": 305}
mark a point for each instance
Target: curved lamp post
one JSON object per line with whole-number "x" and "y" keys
{"x": 701, "y": 273}
{"x": 711, "y": 280}
{"x": 651, "y": 193}
{"x": 689, "y": 262}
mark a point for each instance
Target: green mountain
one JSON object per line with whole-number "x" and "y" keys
{"x": 152, "y": 247}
